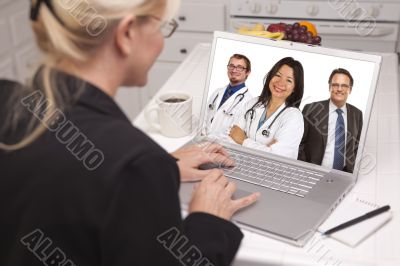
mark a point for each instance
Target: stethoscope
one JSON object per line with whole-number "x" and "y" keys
{"x": 265, "y": 132}
{"x": 236, "y": 101}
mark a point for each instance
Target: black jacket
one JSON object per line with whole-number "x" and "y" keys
{"x": 313, "y": 143}
{"x": 94, "y": 190}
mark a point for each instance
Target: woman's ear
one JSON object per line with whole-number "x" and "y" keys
{"x": 125, "y": 35}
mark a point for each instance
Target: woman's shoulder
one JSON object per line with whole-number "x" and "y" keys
{"x": 9, "y": 88}
{"x": 6, "y": 84}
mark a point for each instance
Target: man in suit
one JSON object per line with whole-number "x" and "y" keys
{"x": 332, "y": 128}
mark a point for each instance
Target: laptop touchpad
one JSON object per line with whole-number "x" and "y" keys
{"x": 240, "y": 193}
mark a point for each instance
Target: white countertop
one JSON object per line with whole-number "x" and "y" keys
{"x": 380, "y": 186}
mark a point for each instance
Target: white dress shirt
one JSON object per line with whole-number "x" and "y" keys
{"x": 330, "y": 142}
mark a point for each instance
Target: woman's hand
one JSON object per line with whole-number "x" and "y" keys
{"x": 272, "y": 142}
{"x": 213, "y": 195}
{"x": 192, "y": 156}
{"x": 237, "y": 134}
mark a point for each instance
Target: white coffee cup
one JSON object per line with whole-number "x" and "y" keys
{"x": 174, "y": 114}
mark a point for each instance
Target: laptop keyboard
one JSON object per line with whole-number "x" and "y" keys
{"x": 270, "y": 174}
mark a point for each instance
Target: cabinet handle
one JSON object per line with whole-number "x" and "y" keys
{"x": 183, "y": 51}
{"x": 182, "y": 18}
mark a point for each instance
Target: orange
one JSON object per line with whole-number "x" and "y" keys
{"x": 310, "y": 27}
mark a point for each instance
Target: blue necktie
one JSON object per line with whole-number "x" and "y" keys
{"x": 227, "y": 94}
{"x": 338, "y": 158}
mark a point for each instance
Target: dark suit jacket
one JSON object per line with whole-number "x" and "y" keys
{"x": 111, "y": 215}
{"x": 313, "y": 143}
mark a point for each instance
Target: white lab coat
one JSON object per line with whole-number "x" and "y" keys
{"x": 287, "y": 129}
{"x": 217, "y": 122}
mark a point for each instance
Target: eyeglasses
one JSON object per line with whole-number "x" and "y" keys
{"x": 238, "y": 68}
{"x": 337, "y": 85}
{"x": 167, "y": 28}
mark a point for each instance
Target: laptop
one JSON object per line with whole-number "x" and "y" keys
{"x": 288, "y": 210}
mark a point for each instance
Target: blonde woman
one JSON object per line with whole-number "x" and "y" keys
{"x": 79, "y": 184}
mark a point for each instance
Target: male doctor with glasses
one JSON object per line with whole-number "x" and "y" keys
{"x": 226, "y": 102}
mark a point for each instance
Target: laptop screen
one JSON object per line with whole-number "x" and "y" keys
{"x": 281, "y": 98}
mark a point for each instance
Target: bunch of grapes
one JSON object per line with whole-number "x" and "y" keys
{"x": 298, "y": 33}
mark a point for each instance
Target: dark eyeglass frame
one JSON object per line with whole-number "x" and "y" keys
{"x": 238, "y": 68}
{"x": 35, "y": 8}
{"x": 167, "y": 27}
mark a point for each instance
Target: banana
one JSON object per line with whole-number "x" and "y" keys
{"x": 262, "y": 33}
{"x": 281, "y": 36}
{"x": 243, "y": 28}
{"x": 258, "y": 27}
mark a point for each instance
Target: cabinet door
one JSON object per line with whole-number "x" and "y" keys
{"x": 27, "y": 61}
{"x": 128, "y": 98}
{"x": 4, "y": 3}
{"x": 202, "y": 17}
{"x": 18, "y": 52}
{"x": 20, "y": 26}
{"x": 181, "y": 44}
{"x": 158, "y": 75}
{"x": 162, "y": 71}
{"x": 132, "y": 100}
{"x": 6, "y": 39}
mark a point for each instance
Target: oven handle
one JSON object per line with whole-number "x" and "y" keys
{"x": 376, "y": 32}
{"x": 330, "y": 30}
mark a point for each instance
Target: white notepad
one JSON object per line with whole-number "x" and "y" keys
{"x": 351, "y": 208}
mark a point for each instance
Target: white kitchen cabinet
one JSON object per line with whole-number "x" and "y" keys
{"x": 181, "y": 44}
{"x": 202, "y": 16}
{"x": 19, "y": 55}
{"x": 6, "y": 42}
{"x": 27, "y": 61}
{"x": 20, "y": 26}
{"x": 132, "y": 99}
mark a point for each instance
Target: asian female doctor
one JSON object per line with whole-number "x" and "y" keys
{"x": 273, "y": 122}
{"x": 225, "y": 103}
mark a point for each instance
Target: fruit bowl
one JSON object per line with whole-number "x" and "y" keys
{"x": 303, "y": 31}
{"x": 258, "y": 30}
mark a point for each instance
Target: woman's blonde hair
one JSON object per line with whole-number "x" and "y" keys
{"x": 72, "y": 30}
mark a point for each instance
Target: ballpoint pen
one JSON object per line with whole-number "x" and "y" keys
{"x": 358, "y": 219}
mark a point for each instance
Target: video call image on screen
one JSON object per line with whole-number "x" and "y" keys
{"x": 310, "y": 133}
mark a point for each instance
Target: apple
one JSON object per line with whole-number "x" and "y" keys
{"x": 281, "y": 27}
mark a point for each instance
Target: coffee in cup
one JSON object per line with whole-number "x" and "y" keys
{"x": 174, "y": 100}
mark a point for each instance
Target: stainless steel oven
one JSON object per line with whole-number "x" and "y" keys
{"x": 369, "y": 25}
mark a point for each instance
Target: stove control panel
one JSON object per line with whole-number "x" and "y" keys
{"x": 379, "y": 10}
